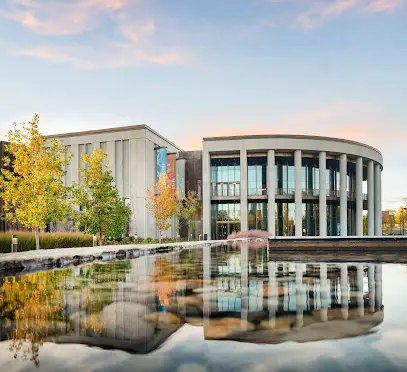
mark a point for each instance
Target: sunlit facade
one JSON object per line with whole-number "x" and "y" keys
{"x": 290, "y": 186}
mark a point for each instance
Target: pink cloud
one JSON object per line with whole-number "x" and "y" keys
{"x": 320, "y": 11}
{"x": 68, "y": 24}
{"x": 339, "y": 7}
{"x": 54, "y": 55}
{"x": 137, "y": 43}
{"x": 109, "y": 56}
{"x": 383, "y": 5}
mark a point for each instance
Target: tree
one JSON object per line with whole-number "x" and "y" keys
{"x": 103, "y": 211}
{"x": 401, "y": 217}
{"x": 187, "y": 208}
{"x": 365, "y": 227}
{"x": 32, "y": 179}
{"x": 388, "y": 222}
{"x": 161, "y": 202}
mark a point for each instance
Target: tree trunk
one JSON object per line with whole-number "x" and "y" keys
{"x": 189, "y": 235}
{"x": 100, "y": 237}
{"x": 37, "y": 239}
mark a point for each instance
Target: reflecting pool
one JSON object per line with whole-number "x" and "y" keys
{"x": 226, "y": 308}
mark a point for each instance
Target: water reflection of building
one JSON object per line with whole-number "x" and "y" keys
{"x": 280, "y": 295}
{"x": 113, "y": 308}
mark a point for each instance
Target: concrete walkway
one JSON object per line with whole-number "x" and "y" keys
{"x": 62, "y": 257}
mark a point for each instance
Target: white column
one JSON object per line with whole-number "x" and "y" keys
{"x": 378, "y": 200}
{"x": 299, "y": 294}
{"x": 244, "y": 226}
{"x": 207, "y": 279}
{"x": 359, "y": 196}
{"x": 271, "y": 193}
{"x": 298, "y": 193}
{"x": 359, "y": 298}
{"x": 343, "y": 195}
{"x": 206, "y": 193}
{"x": 370, "y": 198}
{"x": 244, "y": 283}
{"x": 272, "y": 292}
{"x": 344, "y": 291}
{"x": 322, "y": 194}
{"x": 323, "y": 275}
{"x": 372, "y": 289}
{"x": 378, "y": 289}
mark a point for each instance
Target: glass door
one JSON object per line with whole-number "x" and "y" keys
{"x": 222, "y": 230}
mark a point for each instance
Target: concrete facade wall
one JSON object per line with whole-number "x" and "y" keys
{"x": 131, "y": 159}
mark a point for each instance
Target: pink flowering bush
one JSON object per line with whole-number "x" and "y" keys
{"x": 250, "y": 234}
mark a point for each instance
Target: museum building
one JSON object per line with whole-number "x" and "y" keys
{"x": 288, "y": 185}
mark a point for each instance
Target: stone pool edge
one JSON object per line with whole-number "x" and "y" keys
{"x": 63, "y": 257}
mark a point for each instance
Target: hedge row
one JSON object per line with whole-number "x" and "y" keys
{"x": 26, "y": 241}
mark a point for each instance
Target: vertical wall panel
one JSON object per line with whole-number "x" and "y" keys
{"x": 119, "y": 166}
{"x": 126, "y": 169}
{"x": 68, "y": 168}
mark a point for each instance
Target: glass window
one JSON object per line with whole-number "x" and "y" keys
{"x": 225, "y": 171}
{"x": 291, "y": 177}
{"x": 257, "y": 174}
{"x": 257, "y": 216}
{"x": 310, "y": 219}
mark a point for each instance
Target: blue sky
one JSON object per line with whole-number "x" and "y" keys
{"x": 200, "y": 68}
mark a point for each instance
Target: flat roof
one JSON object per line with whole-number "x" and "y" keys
{"x": 289, "y": 136}
{"x": 114, "y": 129}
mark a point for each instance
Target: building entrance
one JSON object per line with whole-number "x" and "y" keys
{"x": 225, "y": 228}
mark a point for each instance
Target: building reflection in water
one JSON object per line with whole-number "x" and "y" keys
{"x": 281, "y": 301}
{"x": 234, "y": 292}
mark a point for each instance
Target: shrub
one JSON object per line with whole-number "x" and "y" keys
{"x": 26, "y": 241}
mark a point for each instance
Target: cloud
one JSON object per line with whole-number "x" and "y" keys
{"x": 316, "y": 12}
{"x": 133, "y": 41}
{"x": 52, "y": 54}
{"x": 109, "y": 56}
{"x": 60, "y": 18}
{"x": 383, "y": 5}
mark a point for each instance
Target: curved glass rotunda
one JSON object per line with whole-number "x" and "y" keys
{"x": 290, "y": 185}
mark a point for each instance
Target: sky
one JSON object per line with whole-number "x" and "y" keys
{"x": 193, "y": 69}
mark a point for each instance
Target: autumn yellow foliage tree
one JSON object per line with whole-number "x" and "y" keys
{"x": 161, "y": 202}
{"x": 103, "y": 210}
{"x": 186, "y": 210}
{"x": 32, "y": 179}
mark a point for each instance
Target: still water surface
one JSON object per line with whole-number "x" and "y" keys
{"x": 211, "y": 309}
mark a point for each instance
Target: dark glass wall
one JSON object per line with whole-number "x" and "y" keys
{"x": 257, "y": 175}
{"x": 310, "y": 219}
{"x": 257, "y": 216}
{"x": 285, "y": 175}
{"x": 225, "y": 219}
{"x": 285, "y": 219}
{"x": 225, "y": 177}
{"x": 310, "y": 176}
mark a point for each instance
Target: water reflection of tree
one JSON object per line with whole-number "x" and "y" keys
{"x": 163, "y": 279}
{"x": 32, "y": 307}
{"x": 97, "y": 283}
